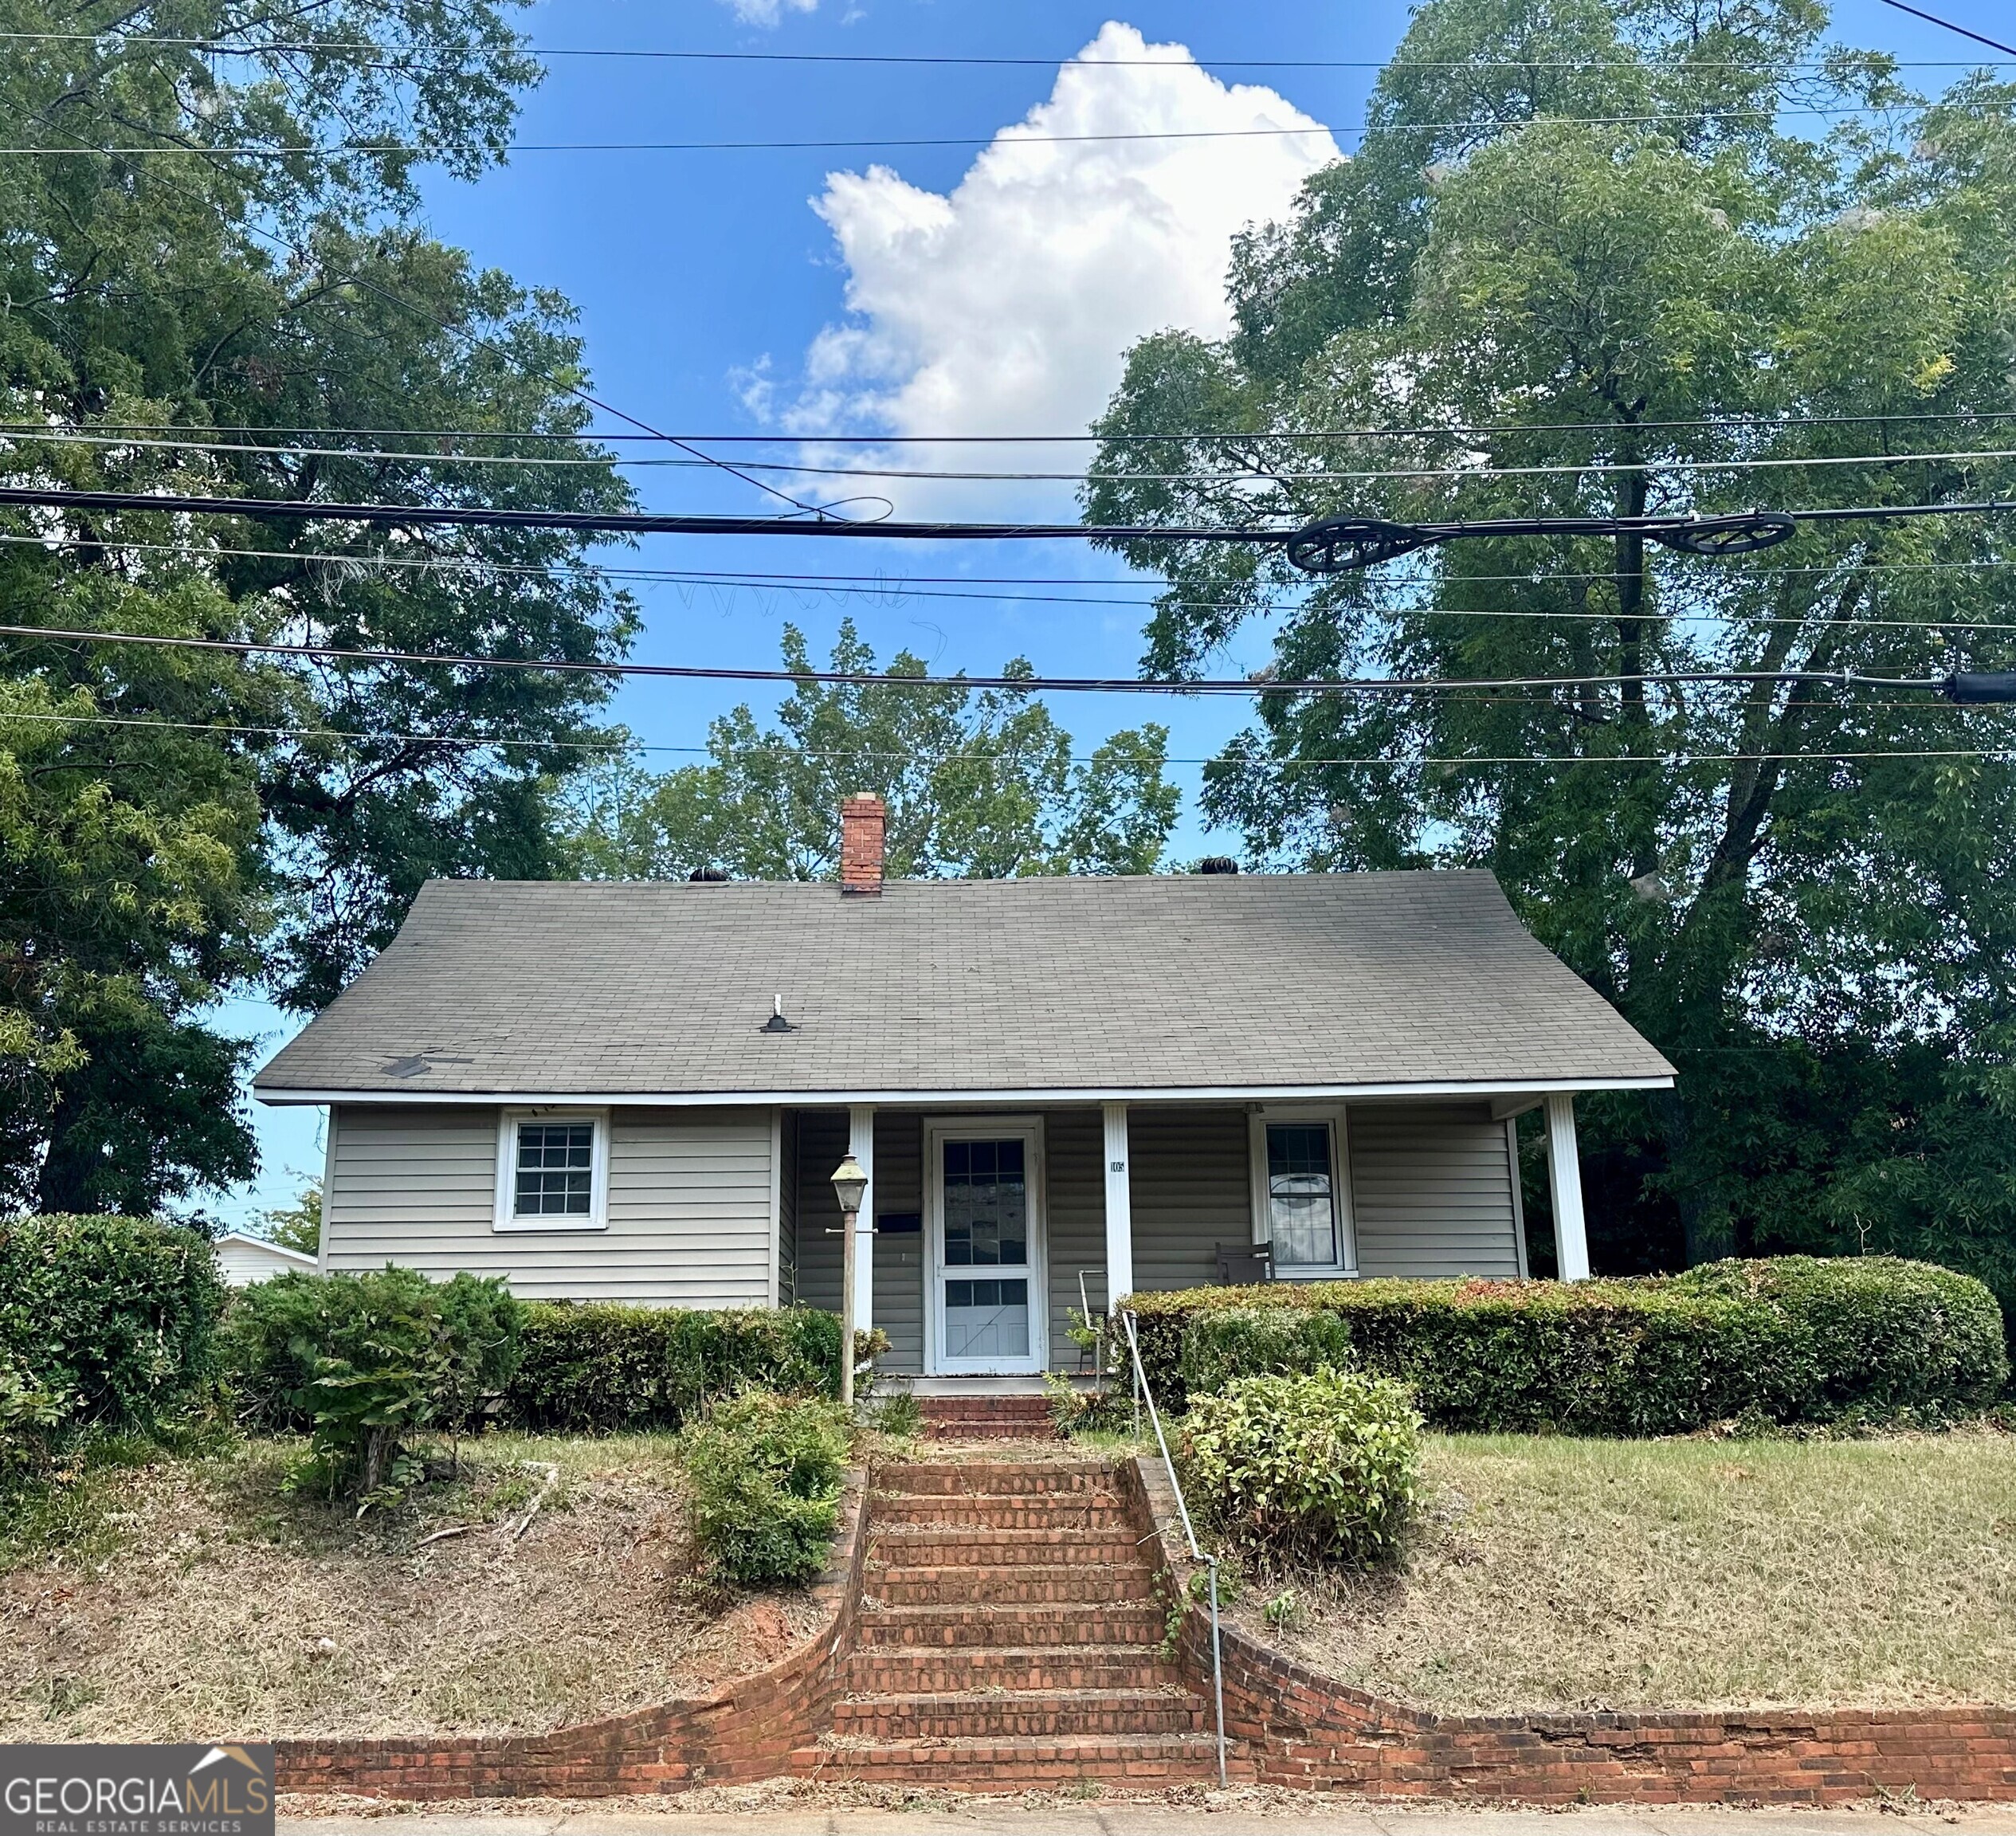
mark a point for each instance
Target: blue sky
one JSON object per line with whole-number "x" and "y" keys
{"x": 916, "y": 291}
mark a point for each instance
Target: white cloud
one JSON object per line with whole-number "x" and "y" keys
{"x": 768, "y": 12}
{"x": 1007, "y": 306}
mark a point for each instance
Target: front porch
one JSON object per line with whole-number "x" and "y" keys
{"x": 983, "y": 1229}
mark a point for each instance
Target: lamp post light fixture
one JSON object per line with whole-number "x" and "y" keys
{"x": 849, "y": 1187}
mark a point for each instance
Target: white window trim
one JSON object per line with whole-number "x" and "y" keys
{"x": 508, "y": 1122}
{"x": 1258, "y": 1117}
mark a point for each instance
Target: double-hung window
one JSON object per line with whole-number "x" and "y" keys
{"x": 1299, "y": 1206}
{"x": 552, "y": 1169}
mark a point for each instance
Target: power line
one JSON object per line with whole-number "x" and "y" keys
{"x": 1328, "y": 545}
{"x": 325, "y": 47}
{"x": 1007, "y": 137}
{"x": 484, "y": 742}
{"x": 1934, "y": 19}
{"x": 1598, "y": 467}
{"x": 1194, "y": 436}
{"x": 930, "y": 586}
{"x": 1844, "y": 679}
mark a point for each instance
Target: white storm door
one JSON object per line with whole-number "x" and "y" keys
{"x": 985, "y": 1271}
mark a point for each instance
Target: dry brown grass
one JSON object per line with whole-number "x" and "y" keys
{"x": 205, "y": 1602}
{"x": 1555, "y": 1574}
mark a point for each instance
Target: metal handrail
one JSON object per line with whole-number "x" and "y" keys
{"x": 1142, "y": 1393}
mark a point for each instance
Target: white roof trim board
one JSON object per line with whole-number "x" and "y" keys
{"x": 1164, "y": 988}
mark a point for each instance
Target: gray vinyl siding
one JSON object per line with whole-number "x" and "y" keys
{"x": 1190, "y": 1193}
{"x": 689, "y": 1205}
{"x": 1431, "y": 1194}
{"x": 900, "y": 1258}
{"x": 1074, "y": 1144}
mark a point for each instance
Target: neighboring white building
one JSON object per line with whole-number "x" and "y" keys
{"x": 243, "y": 1259}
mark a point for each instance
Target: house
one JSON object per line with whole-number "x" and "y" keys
{"x": 639, "y": 1091}
{"x": 243, "y": 1260}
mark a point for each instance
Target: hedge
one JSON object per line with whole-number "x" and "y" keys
{"x": 1788, "y": 1340}
{"x": 591, "y": 1367}
{"x": 105, "y": 1323}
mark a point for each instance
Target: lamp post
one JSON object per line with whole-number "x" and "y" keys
{"x": 849, "y": 1184}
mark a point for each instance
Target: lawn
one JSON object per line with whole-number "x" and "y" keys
{"x": 1556, "y": 1573}
{"x": 189, "y": 1599}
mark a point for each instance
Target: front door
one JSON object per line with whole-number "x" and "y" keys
{"x": 986, "y": 1274}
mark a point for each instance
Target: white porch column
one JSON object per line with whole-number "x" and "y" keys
{"x": 860, "y": 1144}
{"x": 1564, "y": 1181}
{"x": 1120, "y": 1208}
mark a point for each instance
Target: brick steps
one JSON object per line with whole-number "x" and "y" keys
{"x": 981, "y": 1764}
{"x": 936, "y": 1546}
{"x": 1009, "y": 1635}
{"x": 976, "y": 1624}
{"x": 986, "y": 1418}
{"x": 928, "y": 1670}
{"x": 1044, "y": 1583}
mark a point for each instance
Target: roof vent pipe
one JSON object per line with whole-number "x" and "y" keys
{"x": 1217, "y": 864}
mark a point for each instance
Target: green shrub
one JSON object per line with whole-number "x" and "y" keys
{"x": 764, "y": 1474}
{"x": 595, "y": 1368}
{"x": 105, "y": 1324}
{"x": 1261, "y": 1342}
{"x": 1320, "y": 1467}
{"x": 361, "y": 1360}
{"x": 1793, "y": 1340}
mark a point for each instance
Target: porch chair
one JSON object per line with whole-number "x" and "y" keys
{"x": 1245, "y": 1264}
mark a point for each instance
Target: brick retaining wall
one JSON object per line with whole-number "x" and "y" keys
{"x": 747, "y": 1729}
{"x": 1298, "y": 1727}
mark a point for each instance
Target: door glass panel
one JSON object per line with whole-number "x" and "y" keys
{"x": 1301, "y": 1201}
{"x": 986, "y": 1227}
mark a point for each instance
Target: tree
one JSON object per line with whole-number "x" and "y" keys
{"x": 296, "y": 1227}
{"x": 979, "y": 784}
{"x": 1582, "y": 266}
{"x": 175, "y": 823}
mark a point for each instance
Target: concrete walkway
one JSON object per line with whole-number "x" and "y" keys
{"x": 1212, "y": 1812}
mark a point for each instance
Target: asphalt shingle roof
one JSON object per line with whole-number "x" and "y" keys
{"x": 1185, "y": 982}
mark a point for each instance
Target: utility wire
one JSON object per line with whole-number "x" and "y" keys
{"x": 1596, "y": 468}
{"x": 1934, "y": 19}
{"x": 1844, "y": 679}
{"x": 1007, "y": 137}
{"x": 216, "y": 45}
{"x": 956, "y": 586}
{"x": 1397, "y": 538}
{"x": 480, "y": 743}
{"x": 1196, "y": 437}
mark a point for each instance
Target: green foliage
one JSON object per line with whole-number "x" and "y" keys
{"x": 298, "y": 1225}
{"x": 107, "y": 1324}
{"x": 1587, "y": 241}
{"x": 1261, "y": 1341}
{"x": 979, "y": 785}
{"x": 597, "y": 1368}
{"x": 1321, "y": 1467}
{"x": 363, "y": 1360}
{"x": 764, "y": 1473}
{"x": 1793, "y": 1341}
{"x": 190, "y": 846}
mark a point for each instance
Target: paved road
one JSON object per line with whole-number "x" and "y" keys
{"x": 1206, "y": 1817}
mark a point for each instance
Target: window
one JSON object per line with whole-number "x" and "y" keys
{"x": 552, "y": 1171}
{"x": 1299, "y": 1206}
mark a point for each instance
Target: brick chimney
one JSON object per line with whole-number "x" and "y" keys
{"x": 862, "y": 817}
